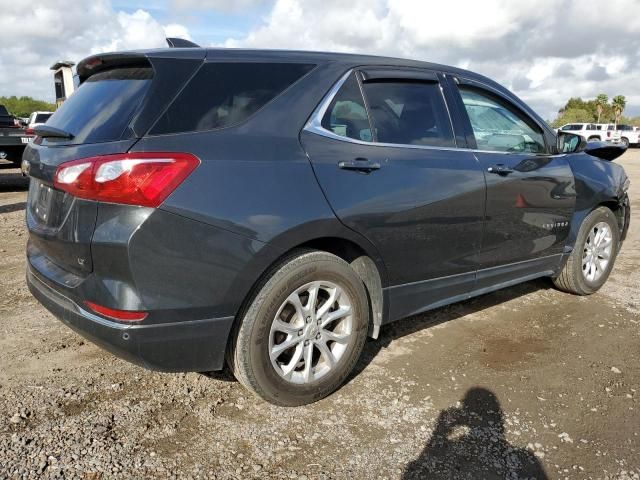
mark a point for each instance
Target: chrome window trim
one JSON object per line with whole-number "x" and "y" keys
{"x": 314, "y": 125}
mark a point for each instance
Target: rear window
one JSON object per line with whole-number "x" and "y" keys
{"x": 42, "y": 117}
{"x": 101, "y": 109}
{"x": 225, "y": 94}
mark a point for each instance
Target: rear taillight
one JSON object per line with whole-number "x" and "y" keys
{"x": 144, "y": 179}
{"x": 608, "y": 134}
{"x": 121, "y": 315}
{"x": 29, "y": 131}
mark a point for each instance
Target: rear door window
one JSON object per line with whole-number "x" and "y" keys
{"x": 409, "y": 113}
{"x": 347, "y": 114}
{"x": 225, "y": 94}
{"x": 101, "y": 109}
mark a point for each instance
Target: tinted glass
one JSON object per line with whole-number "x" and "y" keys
{"x": 224, "y": 94}
{"x": 42, "y": 117}
{"x": 100, "y": 110}
{"x": 409, "y": 113}
{"x": 347, "y": 115}
{"x": 498, "y": 128}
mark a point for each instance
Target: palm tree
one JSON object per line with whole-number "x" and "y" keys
{"x": 601, "y": 101}
{"x": 618, "y": 103}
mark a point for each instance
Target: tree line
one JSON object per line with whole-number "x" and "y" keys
{"x": 577, "y": 110}
{"x": 597, "y": 110}
{"x": 24, "y": 106}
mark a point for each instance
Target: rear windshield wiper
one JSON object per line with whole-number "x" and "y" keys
{"x": 48, "y": 131}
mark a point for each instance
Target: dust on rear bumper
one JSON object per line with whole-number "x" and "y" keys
{"x": 185, "y": 346}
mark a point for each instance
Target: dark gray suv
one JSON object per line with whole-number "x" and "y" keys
{"x": 269, "y": 209}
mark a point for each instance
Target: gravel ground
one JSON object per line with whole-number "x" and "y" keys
{"x": 527, "y": 382}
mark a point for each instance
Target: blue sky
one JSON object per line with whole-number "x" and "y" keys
{"x": 206, "y": 25}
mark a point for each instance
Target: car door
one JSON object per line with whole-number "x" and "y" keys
{"x": 392, "y": 171}
{"x": 530, "y": 191}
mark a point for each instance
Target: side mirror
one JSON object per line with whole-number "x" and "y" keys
{"x": 570, "y": 143}
{"x": 605, "y": 150}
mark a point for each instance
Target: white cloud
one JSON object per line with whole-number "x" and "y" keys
{"x": 36, "y": 35}
{"x": 178, "y": 31}
{"x": 546, "y": 51}
{"x": 219, "y": 5}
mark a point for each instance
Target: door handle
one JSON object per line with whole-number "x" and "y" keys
{"x": 362, "y": 165}
{"x": 500, "y": 169}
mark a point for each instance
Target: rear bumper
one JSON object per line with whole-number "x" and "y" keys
{"x": 185, "y": 346}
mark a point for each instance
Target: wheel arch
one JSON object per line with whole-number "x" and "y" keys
{"x": 364, "y": 266}
{"x": 339, "y": 241}
{"x": 619, "y": 207}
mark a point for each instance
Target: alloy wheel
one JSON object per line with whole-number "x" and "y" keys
{"x": 597, "y": 252}
{"x": 311, "y": 331}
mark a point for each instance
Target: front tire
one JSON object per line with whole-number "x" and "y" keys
{"x": 593, "y": 255}
{"x": 625, "y": 141}
{"x": 303, "y": 332}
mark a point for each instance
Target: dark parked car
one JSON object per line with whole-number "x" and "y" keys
{"x": 273, "y": 209}
{"x": 13, "y": 137}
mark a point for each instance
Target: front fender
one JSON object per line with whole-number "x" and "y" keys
{"x": 598, "y": 182}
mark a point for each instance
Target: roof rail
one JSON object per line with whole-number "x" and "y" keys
{"x": 181, "y": 43}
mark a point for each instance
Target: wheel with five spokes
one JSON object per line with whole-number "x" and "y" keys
{"x": 303, "y": 332}
{"x": 593, "y": 255}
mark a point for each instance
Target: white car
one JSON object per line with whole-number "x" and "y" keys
{"x": 37, "y": 118}
{"x": 610, "y": 132}
{"x": 593, "y": 132}
{"x": 630, "y": 135}
{"x": 589, "y": 131}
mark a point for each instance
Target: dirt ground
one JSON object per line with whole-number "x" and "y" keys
{"x": 527, "y": 382}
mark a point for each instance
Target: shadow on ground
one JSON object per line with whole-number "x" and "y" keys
{"x": 469, "y": 442}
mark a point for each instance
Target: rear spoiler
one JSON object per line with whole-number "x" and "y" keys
{"x": 137, "y": 58}
{"x": 104, "y": 61}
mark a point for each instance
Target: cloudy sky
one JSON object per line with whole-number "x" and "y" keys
{"x": 544, "y": 50}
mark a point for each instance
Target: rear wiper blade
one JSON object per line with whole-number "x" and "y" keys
{"x": 48, "y": 131}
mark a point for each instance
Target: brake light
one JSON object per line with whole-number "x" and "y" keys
{"x": 121, "y": 315}
{"x": 145, "y": 179}
{"x": 608, "y": 134}
{"x": 29, "y": 131}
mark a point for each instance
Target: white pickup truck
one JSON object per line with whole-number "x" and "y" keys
{"x": 594, "y": 132}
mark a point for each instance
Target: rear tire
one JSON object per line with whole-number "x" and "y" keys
{"x": 593, "y": 139}
{"x": 292, "y": 350}
{"x": 593, "y": 255}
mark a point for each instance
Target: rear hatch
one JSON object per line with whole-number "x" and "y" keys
{"x": 106, "y": 115}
